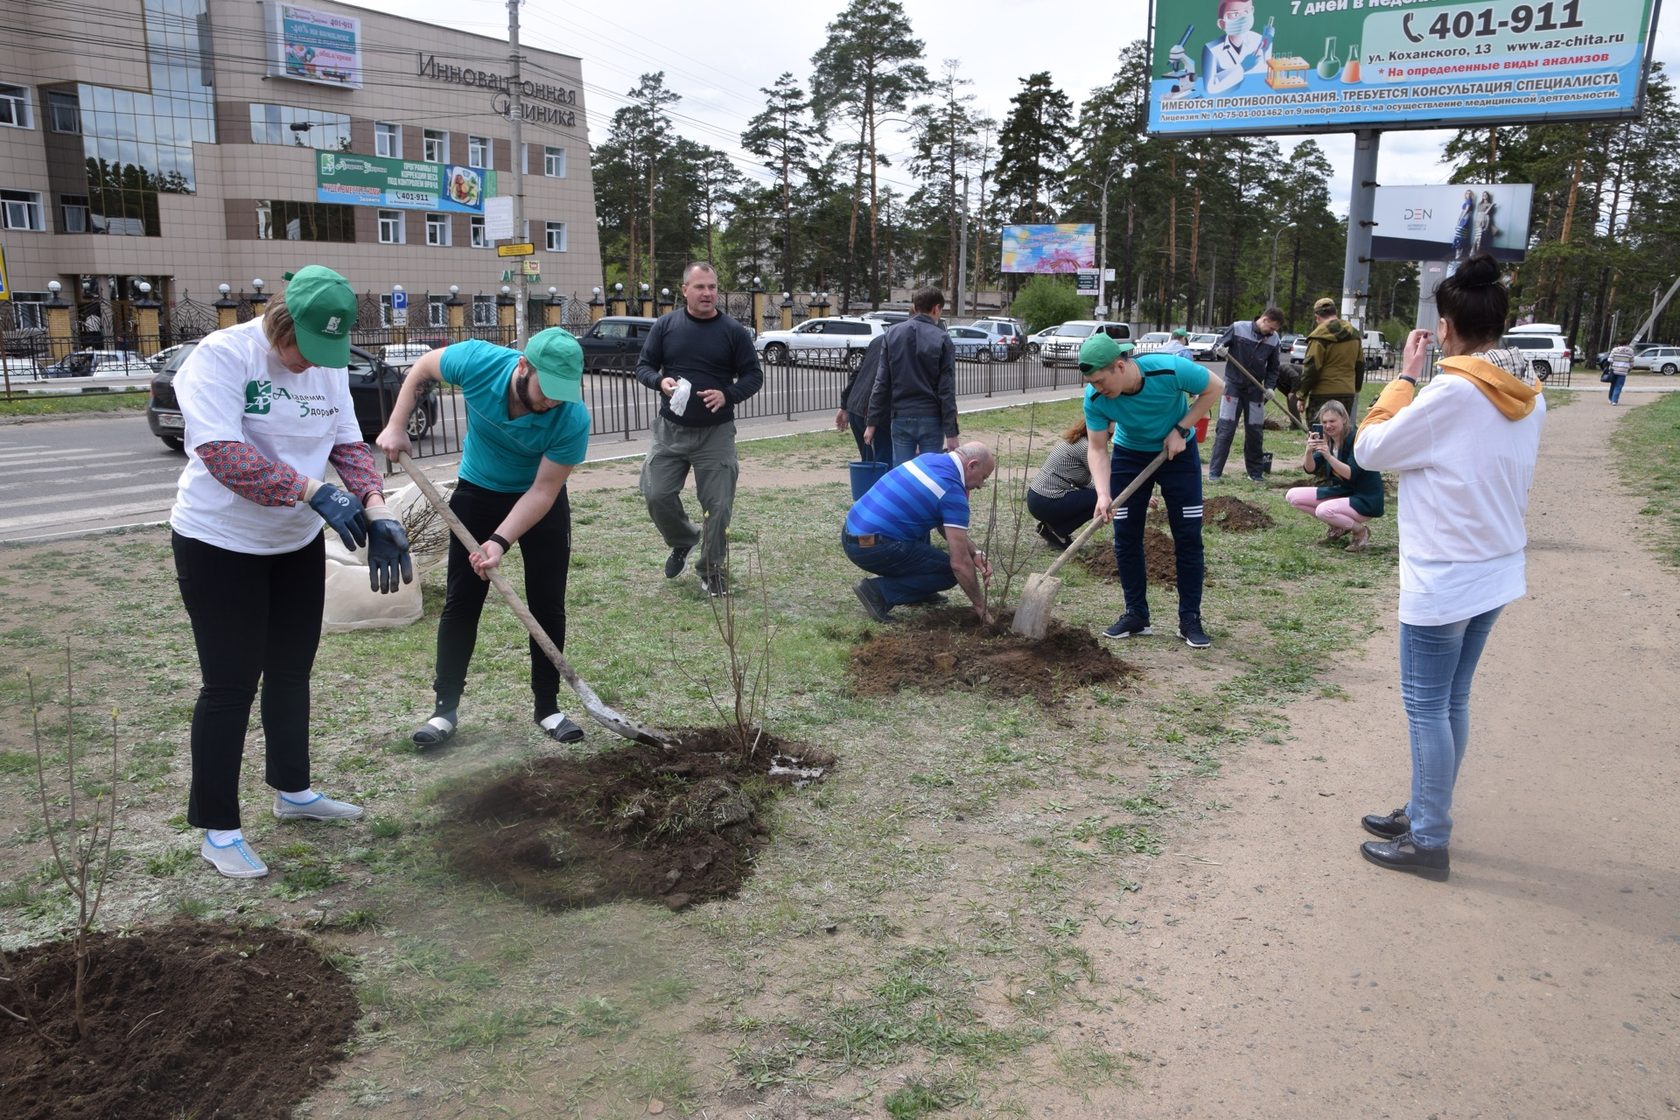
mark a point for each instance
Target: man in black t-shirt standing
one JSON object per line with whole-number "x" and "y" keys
{"x": 704, "y": 364}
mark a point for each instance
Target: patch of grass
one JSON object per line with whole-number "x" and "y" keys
{"x": 170, "y": 862}
{"x": 1647, "y": 450}
{"x": 922, "y": 1097}
{"x": 123, "y": 400}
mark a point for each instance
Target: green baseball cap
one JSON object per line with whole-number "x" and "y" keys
{"x": 1100, "y": 351}
{"x": 323, "y": 310}
{"x": 558, "y": 360}
{"x": 1180, "y": 332}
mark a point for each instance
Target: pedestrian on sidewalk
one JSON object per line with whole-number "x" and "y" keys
{"x": 529, "y": 429}
{"x": 703, "y": 364}
{"x": 1251, "y": 346}
{"x": 1465, "y": 448}
{"x": 1152, "y": 402}
{"x": 854, "y": 406}
{"x": 1347, "y": 495}
{"x": 886, "y": 532}
{"x": 267, "y": 408}
{"x": 1061, "y": 496}
{"x": 916, "y": 388}
{"x": 1620, "y": 360}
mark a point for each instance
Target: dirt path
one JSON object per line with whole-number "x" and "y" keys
{"x": 1283, "y": 976}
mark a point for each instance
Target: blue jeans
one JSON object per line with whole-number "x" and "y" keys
{"x": 1616, "y": 383}
{"x": 916, "y": 435}
{"x": 909, "y": 571}
{"x": 1180, "y": 479}
{"x": 1436, "y": 664}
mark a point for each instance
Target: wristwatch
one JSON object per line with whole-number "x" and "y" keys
{"x": 1185, "y": 432}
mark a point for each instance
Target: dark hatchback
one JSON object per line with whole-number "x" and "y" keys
{"x": 373, "y": 390}
{"x": 612, "y": 344}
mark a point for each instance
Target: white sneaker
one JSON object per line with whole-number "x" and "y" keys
{"x": 317, "y": 808}
{"x": 235, "y": 859}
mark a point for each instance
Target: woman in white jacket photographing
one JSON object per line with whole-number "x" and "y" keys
{"x": 1464, "y": 447}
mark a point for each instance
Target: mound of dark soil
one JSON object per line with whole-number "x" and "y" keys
{"x": 675, "y": 826}
{"x": 1159, "y": 560}
{"x": 951, "y": 648}
{"x": 190, "y": 1019}
{"x": 1234, "y": 515}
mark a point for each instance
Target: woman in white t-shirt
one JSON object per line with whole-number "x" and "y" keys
{"x": 1465, "y": 451}
{"x": 267, "y": 409}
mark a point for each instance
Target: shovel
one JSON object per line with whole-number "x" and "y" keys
{"x": 1281, "y": 403}
{"x": 1032, "y": 617}
{"x": 604, "y": 715}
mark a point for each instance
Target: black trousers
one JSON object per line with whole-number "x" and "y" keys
{"x": 547, "y": 551}
{"x": 254, "y": 618}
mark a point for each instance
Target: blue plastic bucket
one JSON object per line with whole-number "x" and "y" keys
{"x": 865, "y": 475}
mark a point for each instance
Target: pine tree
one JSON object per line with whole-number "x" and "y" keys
{"x": 780, "y": 136}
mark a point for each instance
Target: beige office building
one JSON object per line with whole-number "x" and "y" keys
{"x": 193, "y": 143}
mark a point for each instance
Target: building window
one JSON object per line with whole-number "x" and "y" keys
{"x": 484, "y": 311}
{"x": 554, "y": 237}
{"x": 387, "y": 140}
{"x": 554, "y": 163}
{"x": 479, "y": 241}
{"x": 437, "y": 229}
{"x": 29, "y": 311}
{"x": 280, "y": 220}
{"x": 14, "y": 107}
{"x": 21, "y": 210}
{"x": 64, "y": 112}
{"x": 390, "y": 227}
{"x": 73, "y": 213}
{"x": 478, "y": 151}
{"x": 434, "y": 146}
{"x": 299, "y": 128}
{"x": 437, "y": 311}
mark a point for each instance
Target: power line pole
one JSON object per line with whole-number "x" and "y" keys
{"x": 516, "y": 114}
{"x": 962, "y": 253}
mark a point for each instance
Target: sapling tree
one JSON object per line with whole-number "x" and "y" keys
{"x": 1007, "y": 519}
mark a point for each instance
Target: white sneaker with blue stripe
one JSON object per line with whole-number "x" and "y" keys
{"x": 235, "y": 859}
{"x": 317, "y": 807}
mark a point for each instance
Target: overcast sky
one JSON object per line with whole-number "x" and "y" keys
{"x": 718, "y": 57}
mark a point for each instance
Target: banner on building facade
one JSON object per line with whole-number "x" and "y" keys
{"x": 1246, "y": 66}
{"x": 1063, "y": 248}
{"x": 309, "y": 45}
{"x": 401, "y": 184}
{"x": 1451, "y": 222}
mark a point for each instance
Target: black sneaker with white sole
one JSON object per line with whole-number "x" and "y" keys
{"x": 677, "y": 561}
{"x": 713, "y": 584}
{"x": 1190, "y": 629}
{"x": 1128, "y": 625}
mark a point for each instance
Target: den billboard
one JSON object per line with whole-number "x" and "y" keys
{"x": 1451, "y": 223}
{"x": 1251, "y": 66}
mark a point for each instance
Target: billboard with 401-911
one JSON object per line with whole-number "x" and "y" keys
{"x": 401, "y": 184}
{"x": 1247, "y": 66}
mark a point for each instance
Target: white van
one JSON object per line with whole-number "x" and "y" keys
{"x": 1063, "y": 346}
{"x": 1376, "y": 350}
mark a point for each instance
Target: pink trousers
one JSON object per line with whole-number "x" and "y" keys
{"x": 1335, "y": 512}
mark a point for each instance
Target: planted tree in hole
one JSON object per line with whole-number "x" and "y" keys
{"x": 746, "y": 643}
{"x": 81, "y": 850}
{"x": 1007, "y": 518}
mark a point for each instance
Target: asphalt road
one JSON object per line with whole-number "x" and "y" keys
{"x": 59, "y": 477}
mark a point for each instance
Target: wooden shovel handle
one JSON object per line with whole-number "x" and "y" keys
{"x": 1091, "y": 527}
{"x": 1283, "y": 404}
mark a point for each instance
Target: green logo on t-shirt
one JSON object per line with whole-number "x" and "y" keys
{"x": 258, "y": 397}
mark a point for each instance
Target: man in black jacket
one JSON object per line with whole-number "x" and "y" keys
{"x": 854, "y": 406}
{"x": 916, "y": 388}
{"x": 1252, "y": 346}
{"x": 704, "y": 364}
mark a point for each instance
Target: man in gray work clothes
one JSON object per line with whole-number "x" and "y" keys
{"x": 703, "y": 364}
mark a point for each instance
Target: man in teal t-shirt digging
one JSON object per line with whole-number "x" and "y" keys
{"x": 528, "y": 428}
{"x": 1153, "y": 403}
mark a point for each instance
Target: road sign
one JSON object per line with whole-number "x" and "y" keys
{"x": 399, "y": 307}
{"x": 533, "y": 269}
{"x": 522, "y": 249}
{"x": 498, "y": 217}
{"x": 5, "y": 285}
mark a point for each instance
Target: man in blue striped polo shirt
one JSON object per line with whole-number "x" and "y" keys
{"x": 887, "y": 530}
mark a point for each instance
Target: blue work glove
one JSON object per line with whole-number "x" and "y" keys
{"x": 387, "y": 551}
{"x": 339, "y": 510}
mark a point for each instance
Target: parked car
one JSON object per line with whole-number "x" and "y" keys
{"x": 99, "y": 363}
{"x": 161, "y": 358}
{"x": 1063, "y": 346}
{"x": 373, "y": 390}
{"x": 1205, "y": 348}
{"x": 1659, "y": 359}
{"x": 834, "y": 340}
{"x": 1035, "y": 342}
{"x": 975, "y": 345}
{"x": 612, "y": 344}
{"x": 886, "y": 316}
{"x": 1009, "y": 333}
{"x": 1153, "y": 341}
{"x": 1298, "y": 349}
{"x": 1547, "y": 351}
{"x": 401, "y": 355}
{"x": 19, "y": 369}
{"x": 1376, "y": 350}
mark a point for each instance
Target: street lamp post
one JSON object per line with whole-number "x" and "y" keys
{"x": 1271, "y": 294}
{"x": 1102, "y": 247}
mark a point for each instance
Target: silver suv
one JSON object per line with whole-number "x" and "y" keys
{"x": 1063, "y": 346}
{"x": 1006, "y": 333}
{"x": 1547, "y": 351}
{"x": 833, "y": 340}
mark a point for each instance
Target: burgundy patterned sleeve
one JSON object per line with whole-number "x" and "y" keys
{"x": 251, "y": 474}
{"x": 355, "y": 466}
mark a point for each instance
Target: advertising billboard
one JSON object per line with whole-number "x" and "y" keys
{"x": 1064, "y": 248}
{"x": 1450, "y": 223}
{"x": 1337, "y": 65}
{"x": 401, "y": 184}
{"x": 314, "y": 46}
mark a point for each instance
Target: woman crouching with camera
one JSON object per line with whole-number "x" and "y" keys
{"x": 1347, "y": 495}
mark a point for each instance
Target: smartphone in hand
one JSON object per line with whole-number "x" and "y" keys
{"x": 1318, "y": 431}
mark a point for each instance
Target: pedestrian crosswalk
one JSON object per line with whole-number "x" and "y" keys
{"x": 51, "y": 487}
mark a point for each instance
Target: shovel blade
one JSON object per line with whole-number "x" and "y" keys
{"x": 1032, "y": 616}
